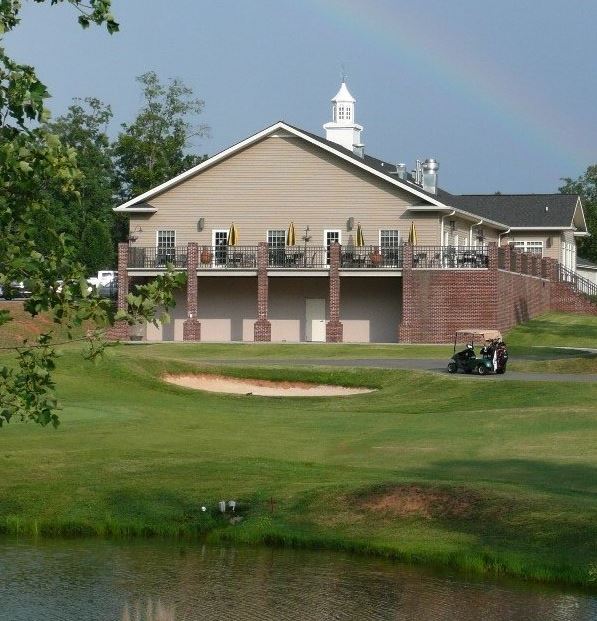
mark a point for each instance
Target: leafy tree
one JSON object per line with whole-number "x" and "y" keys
{"x": 32, "y": 161}
{"x": 97, "y": 247}
{"x": 586, "y": 187}
{"x": 154, "y": 147}
{"x": 83, "y": 127}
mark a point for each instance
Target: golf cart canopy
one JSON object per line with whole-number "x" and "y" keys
{"x": 479, "y": 334}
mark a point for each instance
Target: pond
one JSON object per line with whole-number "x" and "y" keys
{"x": 93, "y": 580}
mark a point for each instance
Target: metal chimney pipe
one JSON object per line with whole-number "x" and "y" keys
{"x": 430, "y": 168}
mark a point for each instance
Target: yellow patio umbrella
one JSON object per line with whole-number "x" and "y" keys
{"x": 412, "y": 234}
{"x": 232, "y": 235}
{"x": 290, "y": 235}
{"x": 360, "y": 236}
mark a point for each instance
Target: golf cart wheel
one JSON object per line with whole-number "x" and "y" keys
{"x": 452, "y": 368}
{"x": 482, "y": 369}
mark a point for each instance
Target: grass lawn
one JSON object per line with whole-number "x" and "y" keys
{"x": 430, "y": 469}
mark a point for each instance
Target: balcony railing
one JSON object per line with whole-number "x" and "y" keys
{"x": 371, "y": 257}
{"x": 450, "y": 257}
{"x": 285, "y": 258}
{"x": 157, "y": 258}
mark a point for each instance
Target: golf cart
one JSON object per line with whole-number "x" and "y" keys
{"x": 492, "y": 358}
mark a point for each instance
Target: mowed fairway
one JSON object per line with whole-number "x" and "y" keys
{"x": 498, "y": 477}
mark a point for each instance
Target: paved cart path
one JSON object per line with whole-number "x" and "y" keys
{"x": 437, "y": 365}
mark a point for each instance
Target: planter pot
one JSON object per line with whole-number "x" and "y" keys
{"x": 137, "y": 332}
{"x": 375, "y": 258}
{"x": 205, "y": 257}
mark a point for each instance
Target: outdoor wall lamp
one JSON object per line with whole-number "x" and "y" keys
{"x": 200, "y": 224}
{"x": 350, "y": 224}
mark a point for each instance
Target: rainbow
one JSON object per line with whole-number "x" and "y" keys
{"x": 522, "y": 112}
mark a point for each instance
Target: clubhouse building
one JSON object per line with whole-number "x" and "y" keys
{"x": 287, "y": 236}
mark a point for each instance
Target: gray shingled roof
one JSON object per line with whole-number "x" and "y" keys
{"x": 580, "y": 262}
{"x": 536, "y": 210}
{"x": 539, "y": 210}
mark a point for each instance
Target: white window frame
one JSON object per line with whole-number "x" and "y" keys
{"x": 215, "y": 260}
{"x": 325, "y": 241}
{"x": 529, "y": 245}
{"x": 267, "y": 236}
{"x": 163, "y": 250}
{"x": 157, "y": 236}
{"x": 393, "y": 230}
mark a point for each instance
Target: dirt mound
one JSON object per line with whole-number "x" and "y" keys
{"x": 427, "y": 502}
{"x": 262, "y": 388}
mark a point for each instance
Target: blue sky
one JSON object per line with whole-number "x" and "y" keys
{"x": 501, "y": 93}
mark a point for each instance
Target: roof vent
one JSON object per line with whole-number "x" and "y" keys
{"x": 400, "y": 171}
{"x": 429, "y": 175}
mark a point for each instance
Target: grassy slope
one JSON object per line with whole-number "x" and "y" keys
{"x": 139, "y": 456}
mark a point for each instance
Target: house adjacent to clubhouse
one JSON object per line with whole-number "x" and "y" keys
{"x": 289, "y": 236}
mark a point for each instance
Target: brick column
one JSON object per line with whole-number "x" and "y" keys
{"x": 120, "y": 330}
{"x": 262, "y": 327}
{"x": 507, "y": 255}
{"x": 334, "y": 330}
{"x": 492, "y": 256}
{"x": 404, "y": 332}
{"x": 191, "y": 328}
{"x": 517, "y": 262}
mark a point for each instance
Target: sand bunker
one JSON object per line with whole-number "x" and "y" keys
{"x": 262, "y": 388}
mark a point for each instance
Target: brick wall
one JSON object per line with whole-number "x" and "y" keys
{"x": 565, "y": 299}
{"x": 438, "y": 302}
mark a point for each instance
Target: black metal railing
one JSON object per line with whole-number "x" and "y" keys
{"x": 579, "y": 283}
{"x": 371, "y": 257}
{"x": 157, "y": 258}
{"x": 227, "y": 257}
{"x": 284, "y": 258}
{"x": 450, "y": 257}
{"x": 298, "y": 257}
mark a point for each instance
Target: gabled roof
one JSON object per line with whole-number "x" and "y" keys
{"x": 521, "y": 210}
{"x": 332, "y": 147}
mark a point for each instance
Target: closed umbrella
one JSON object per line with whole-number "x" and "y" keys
{"x": 233, "y": 235}
{"x": 290, "y": 235}
{"x": 412, "y": 234}
{"x": 360, "y": 237}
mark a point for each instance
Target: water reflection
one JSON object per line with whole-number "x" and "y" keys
{"x": 93, "y": 580}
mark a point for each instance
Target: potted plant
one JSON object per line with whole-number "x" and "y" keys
{"x": 375, "y": 257}
{"x": 205, "y": 256}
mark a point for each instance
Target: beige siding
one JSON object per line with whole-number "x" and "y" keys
{"x": 462, "y": 230}
{"x": 370, "y": 309}
{"x": 552, "y": 246}
{"x": 278, "y": 180}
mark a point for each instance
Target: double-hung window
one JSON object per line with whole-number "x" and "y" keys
{"x": 389, "y": 243}
{"x": 166, "y": 247}
{"x": 535, "y": 247}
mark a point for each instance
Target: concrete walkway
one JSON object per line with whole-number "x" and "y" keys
{"x": 416, "y": 364}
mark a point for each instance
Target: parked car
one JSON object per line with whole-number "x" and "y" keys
{"x": 493, "y": 356}
{"x": 18, "y": 290}
{"x": 105, "y": 282}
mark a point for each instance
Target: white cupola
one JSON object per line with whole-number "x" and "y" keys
{"x": 343, "y": 130}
